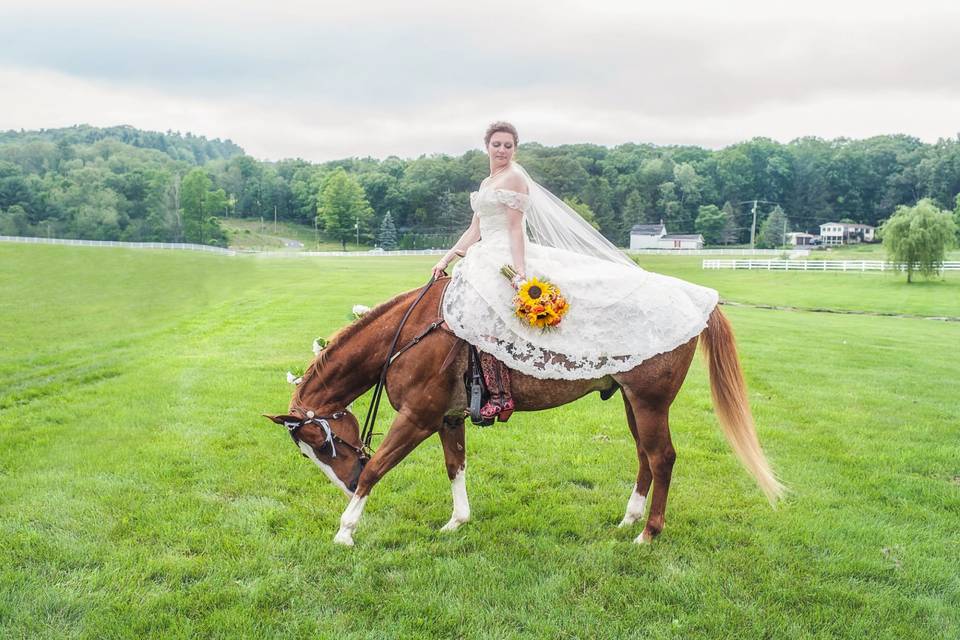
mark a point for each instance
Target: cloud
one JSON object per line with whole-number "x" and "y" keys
{"x": 327, "y": 80}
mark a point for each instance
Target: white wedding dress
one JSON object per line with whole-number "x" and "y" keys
{"x": 619, "y": 315}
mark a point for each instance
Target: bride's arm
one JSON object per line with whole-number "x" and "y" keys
{"x": 514, "y": 182}
{"x": 469, "y": 237}
{"x": 515, "y": 226}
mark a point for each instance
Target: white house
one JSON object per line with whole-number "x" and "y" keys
{"x": 655, "y": 236}
{"x": 834, "y": 233}
{"x": 646, "y": 236}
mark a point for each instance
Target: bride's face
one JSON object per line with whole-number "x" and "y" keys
{"x": 501, "y": 149}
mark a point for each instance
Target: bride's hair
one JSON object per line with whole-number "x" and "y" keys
{"x": 505, "y": 127}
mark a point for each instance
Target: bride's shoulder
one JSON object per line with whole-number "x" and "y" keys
{"x": 514, "y": 181}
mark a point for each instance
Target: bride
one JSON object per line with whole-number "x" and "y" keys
{"x": 619, "y": 314}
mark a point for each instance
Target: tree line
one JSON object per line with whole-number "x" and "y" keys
{"x": 126, "y": 184}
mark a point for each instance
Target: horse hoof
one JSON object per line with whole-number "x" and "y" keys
{"x": 640, "y": 539}
{"x": 453, "y": 525}
{"x": 344, "y": 539}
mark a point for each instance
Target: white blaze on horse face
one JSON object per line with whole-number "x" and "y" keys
{"x": 349, "y": 520}
{"x": 634, "y": 509}
{"x": 461, "y": 507}
{"x": 327, "y": 469}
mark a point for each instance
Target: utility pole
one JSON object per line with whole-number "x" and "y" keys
{"x": 274, "y": 219}
{"x": 358, "y": 234}
{"x": 753, "y": 225}
{"x": 784, "y": 243}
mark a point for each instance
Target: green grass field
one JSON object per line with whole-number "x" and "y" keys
{"x": 142, "y": 494}
{"x": 250, "y": 234}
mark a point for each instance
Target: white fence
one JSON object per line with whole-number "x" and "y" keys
{"x": 719, "y": 252}
{"x": 373, "y": 252}
{"x": 812, "y": 265}
{"x": 113, "y": 243}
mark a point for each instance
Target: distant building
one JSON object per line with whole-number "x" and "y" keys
{"x": 655, "y": 236}
{"x": 798, "y": 239}
{"x": 837, "y": 233}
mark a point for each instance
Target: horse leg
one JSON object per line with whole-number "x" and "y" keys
{"x": 651, "y": 428}
{"x": 455, "y": 454}
{"x": 403, "y": 437}
{"x": 638, "y": 499}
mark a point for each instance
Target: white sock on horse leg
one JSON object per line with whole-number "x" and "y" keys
{"x": 461, "y": 507}
{"x": 635, "y": 508}
{"x": 349, "y": 520}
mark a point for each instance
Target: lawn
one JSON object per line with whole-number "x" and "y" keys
{"x": 143, "y": 495}
{"x": 254, "y": 235}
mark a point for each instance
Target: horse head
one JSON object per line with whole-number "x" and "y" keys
{"x": 331, "y": 441}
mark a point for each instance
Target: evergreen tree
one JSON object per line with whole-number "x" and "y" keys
{"x": 388, "y": 233}
{"x": 773, "y": 229}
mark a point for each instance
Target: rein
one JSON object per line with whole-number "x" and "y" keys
{"x": 363, "y": 450}
{"x": 366, "y": 435}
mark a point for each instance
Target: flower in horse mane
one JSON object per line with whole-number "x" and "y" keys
{"x": 295, "y": 376}
{"x": 359, "y": 310}
{"x": 537, "y": 301}
{"x": 318, "y": 345}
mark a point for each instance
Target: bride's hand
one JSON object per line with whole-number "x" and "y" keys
{"x": 439, "y": 270}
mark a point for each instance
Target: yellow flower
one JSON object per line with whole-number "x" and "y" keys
{"x": 533, "y": 290}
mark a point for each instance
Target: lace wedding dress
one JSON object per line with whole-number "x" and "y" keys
{"x": 619, "y": 316}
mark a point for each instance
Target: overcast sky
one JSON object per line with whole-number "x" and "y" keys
{"x": 322, "y": 80}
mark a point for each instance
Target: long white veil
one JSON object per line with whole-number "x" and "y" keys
{"x": 551, "y": 222}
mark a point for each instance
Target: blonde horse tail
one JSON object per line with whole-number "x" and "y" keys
{"x": 731, "y": 405}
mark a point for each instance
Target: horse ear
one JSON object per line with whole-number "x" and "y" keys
{"x": 281, "y": 419}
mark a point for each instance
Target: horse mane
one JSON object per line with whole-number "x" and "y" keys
{"x": 344, "y": 334}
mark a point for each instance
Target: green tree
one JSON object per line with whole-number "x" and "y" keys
{"x": 916, "y": 238}
{"x": 343, "y": 206}
{"x": 730, "y": 233}
{"x": 633, "y": 211}
{"x": 388, "y": 233}
{"x": 773, "y": 229}
{"x": 14, "y": 222}
{"x": 671, "y": 206}
{"x": 198, "y": 205}
{"x": 710, "y": 223}
{"x": 956, "y": 217}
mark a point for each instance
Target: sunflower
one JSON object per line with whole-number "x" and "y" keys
{"x": 532, "y": 291}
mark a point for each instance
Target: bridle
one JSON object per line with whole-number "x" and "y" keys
{"x": 331, "y": 438}
{"x": 293, "y": 428}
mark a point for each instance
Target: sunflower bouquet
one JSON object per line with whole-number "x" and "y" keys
{"x": 539, "y": 302}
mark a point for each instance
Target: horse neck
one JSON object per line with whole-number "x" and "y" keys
{"x": 352, "y": 363}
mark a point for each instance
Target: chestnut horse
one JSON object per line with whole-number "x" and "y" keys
{"x": 425, "y": 384}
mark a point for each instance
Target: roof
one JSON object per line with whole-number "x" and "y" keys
{"x": 647, "y": 229}
{"x": 694, "y": 236}
{"x": 849, "y": 225}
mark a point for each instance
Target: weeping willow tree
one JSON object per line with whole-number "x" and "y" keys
{"x": 917, "y": 238}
